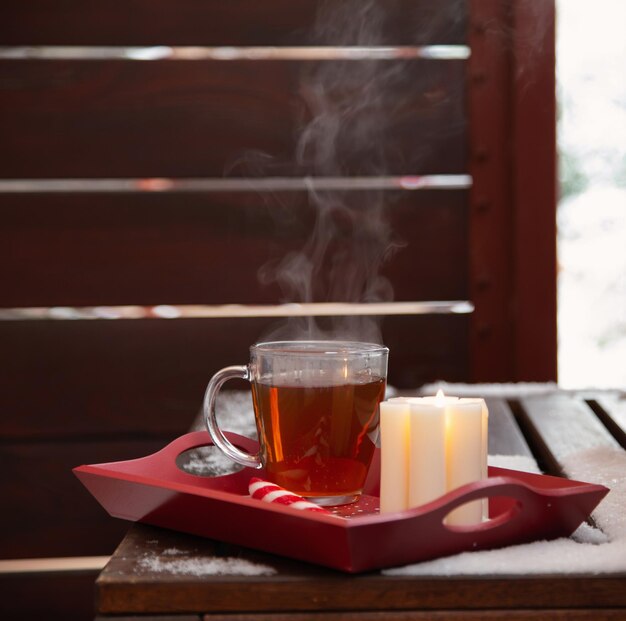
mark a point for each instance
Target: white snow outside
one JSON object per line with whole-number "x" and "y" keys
{"x": 591, "y": 75}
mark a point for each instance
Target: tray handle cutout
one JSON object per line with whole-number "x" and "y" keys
{"x": 163, "y": 464}
{"x": 519, "y": 505}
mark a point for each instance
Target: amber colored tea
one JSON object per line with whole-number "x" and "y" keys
{"x": 318, "y": 440}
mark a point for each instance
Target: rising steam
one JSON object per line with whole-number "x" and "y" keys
{"x": 348, "y": 107}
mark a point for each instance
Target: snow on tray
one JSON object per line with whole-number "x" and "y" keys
{"x": 235, "y": 413}
{"x": 588, "y": 551}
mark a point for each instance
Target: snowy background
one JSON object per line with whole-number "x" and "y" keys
{"x": 591, "y": 75}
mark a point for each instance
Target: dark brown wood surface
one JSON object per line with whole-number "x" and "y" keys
{"x": 505, "y": 436}
{"x": 66, "y": 596}
{"x": 434, "y": 615}
{"x": 213, "y": 22}
{"x": 606, "y": 614}
{"x": 559, "y": 425}
{"x": 511, "y": 107}
{"x": 298, "y": 587}
{"x": 73, "y": 249}
{"x": 535, "y": 179}
{"x": 118, "y": 118}
{"x": 490, "y": 223}
{"x": 47, "y": 513}
{"x": 146, "y": 378}
{"x": 126, "y": 586}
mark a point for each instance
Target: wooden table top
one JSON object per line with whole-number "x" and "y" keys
{"x": 548, "y": 428}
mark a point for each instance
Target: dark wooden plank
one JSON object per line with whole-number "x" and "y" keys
{"x": 125, "y": 378}
{"x": 125, "y": 588}
{"x": 512, "y": 131}
{"x": 505, "y": 437}
{"x": 612, "y": 412}
{"x": 432, "y": 615}
{"x": 212, "y": 22}
{"x": 49, "y": 513}
{"x": 195, "y": 119}
{"x": 146, "y": 378}
{"x": 543, "y": 614}
{"x": 153, "y": 248}
{"x": 490, "y": 229}
{"x": 46, "y": 597}
{"x": 154, "y": 618}
{"x": 560, "y": 425}
{"x": 535, "y": 190}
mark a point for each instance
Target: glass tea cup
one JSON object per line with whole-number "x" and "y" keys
{"x": 317, "y": 415}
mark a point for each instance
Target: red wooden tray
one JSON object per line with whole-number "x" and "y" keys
{"x": 523, "y": 507}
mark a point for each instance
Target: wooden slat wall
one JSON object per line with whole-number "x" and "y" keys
{"x": 71, "y": 249}
{"x": 125, "y": 118}
{"x": 50, "y": 515}
{"x": 94, "y": 384}
{"x": 89, "y": 391}
{"x": 214, "y": 22}
{"x": 146, "y": 379}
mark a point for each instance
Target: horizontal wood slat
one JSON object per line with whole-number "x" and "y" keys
{"x": 505, "y": 437}
{"x": 46, "y": 597}
{"x": 560, "y": 426}
{"x": 128, "y": 378}
{"x": 79, "y": 250}
{"x": 50, "y": 512}
{"x": 161, "y": 119}
{"x": 215, "y": 22}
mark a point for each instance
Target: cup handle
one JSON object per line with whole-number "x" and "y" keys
{"x": 217, "y": 435}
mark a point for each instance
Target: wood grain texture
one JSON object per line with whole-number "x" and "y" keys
{"x": 505, "y": 437}
{"x": 491, "y": 218}
{"x": 535, "y": 181}
{"x": 72, "y": 379}
{"x": 542, "y": 614}
{"x": 152, "y": 248}
{"x": 49, "y": 597}
{"x": 51, "y": 514}
{"x": 196, "y": 119}
{"x": 298, "y": 587}
{"x": 512, "y": 160}
{"x": 212, "y": 22}
{"x": 559, "y": 426}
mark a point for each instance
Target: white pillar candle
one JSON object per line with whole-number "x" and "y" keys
{"x": 427, "y": 457}
{"x": 394, "y": 456}
{"x": 464, "y": 455}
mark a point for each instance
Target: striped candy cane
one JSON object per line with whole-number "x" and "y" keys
{"x": 268, "y": 492}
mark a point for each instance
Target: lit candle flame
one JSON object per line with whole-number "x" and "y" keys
{"x": 440, "y": 398}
